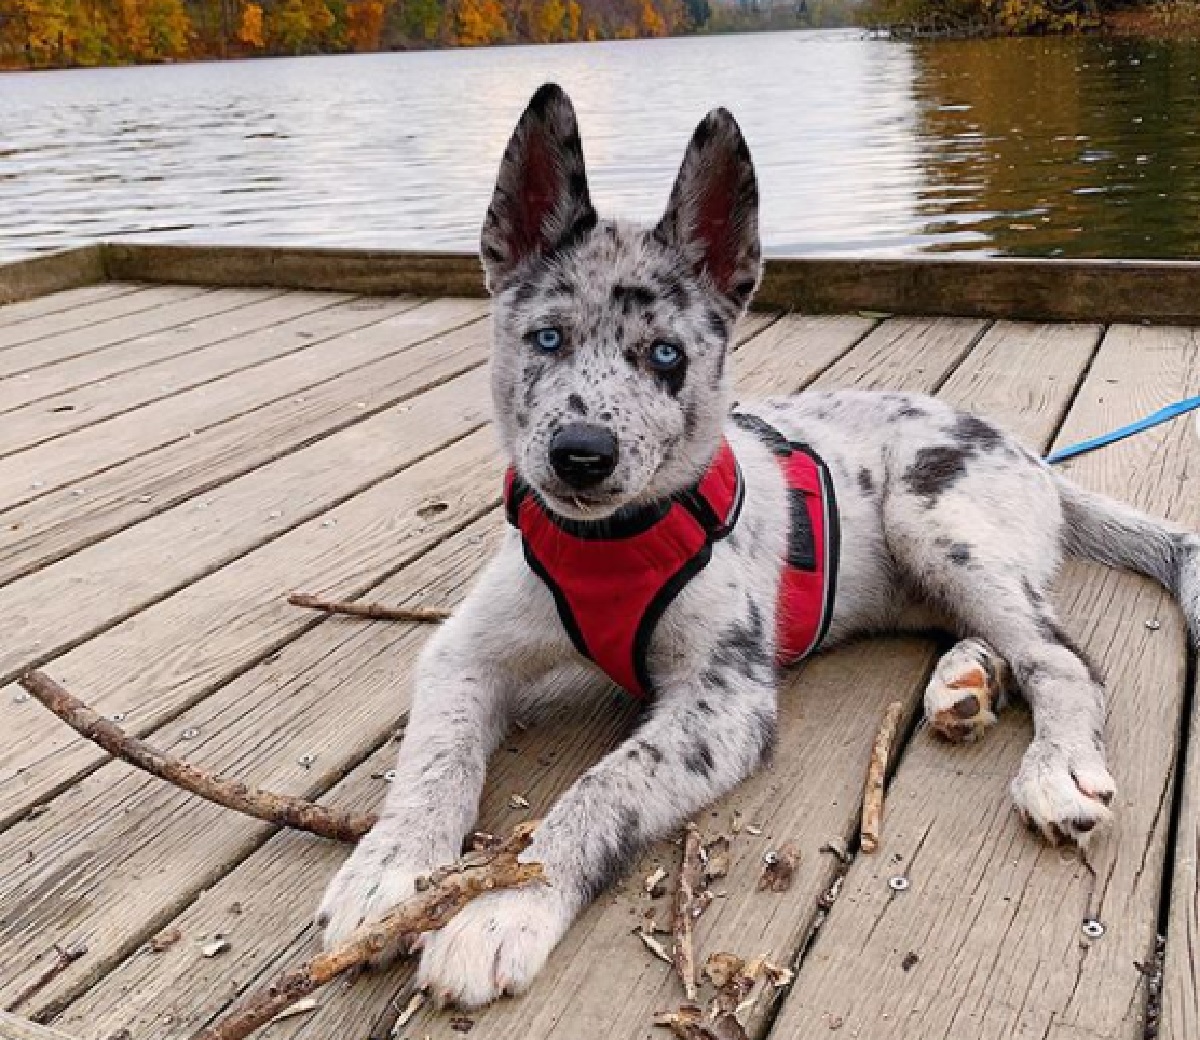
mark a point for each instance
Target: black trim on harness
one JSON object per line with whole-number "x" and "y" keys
{"x": 833, "y": 541}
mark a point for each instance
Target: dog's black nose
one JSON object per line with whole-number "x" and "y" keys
{"x": 583, "y": 455}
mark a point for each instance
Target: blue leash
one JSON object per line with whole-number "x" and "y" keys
{"x": 1163, "y": 415}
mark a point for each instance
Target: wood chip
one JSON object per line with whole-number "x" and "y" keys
{"x": 415, "y": 1003}
{"x": 735, "y": 823}
{"x": 721, "y": 967}
{"x": 872, "y": 815}
{"x": 716, "y": 859}
{"x": 215, "y": 948}
{"x": 655, "y": 947}
{"x": 518, "y": 801}
{"x": 462, "y": 1024}
{"x": 777, "y": 975}
{"x": 301, "y": 1007}
{"x": 165, "y": 940}
{"x": 754, "y": 829}
{"x": 779, "y": 866}
{"x": 655, "y": 884}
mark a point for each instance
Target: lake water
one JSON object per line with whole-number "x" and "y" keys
{"x": 1037, "y": 147}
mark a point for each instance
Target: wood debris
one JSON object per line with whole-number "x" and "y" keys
{"x": 462, "y": 1024}
{"x": 518, "y": 801}
{"x": 655, "y": 947}
{"x": 686, "y": 910}
{"x": 215, "y": 948}
{"x": 64, "y": 957}
{"x": 301, "y": 1007}
{"x": 754, "y": 829}
{"x": 779, "y": 867}
{"x": 720, "y": 968}
{"x": 372, "y": 611}
{"x": 165, "y": 940}
{"x": 452, "y": 888}
{"x": 280, "y": 809}
{"x": 716, "y": 859}
{"x": 415, "y": 1003}
{"x": 655, "y": 884}
{"x": 735, "y": 823}
{"x": 872, "y": 816}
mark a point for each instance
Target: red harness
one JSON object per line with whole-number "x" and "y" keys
{"x": 612, "y": 580}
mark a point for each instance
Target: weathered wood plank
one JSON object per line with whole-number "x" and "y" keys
{"x": 343, "y": 339}
{"x": 1042, "y": 290}
{"x": 64, "y": 301}
{"x": 210, "y": 447}
{"x": 42, "y": 759}
{"x": 366, "y": 271}
{"x": 109, "y": 309}
{"x": 167, "y": 307}
{"x": 80, "y": 396}
{"x": 995, "y": 921}
{"x": 112, "y": 861}
{"x": 23, "y": 279}
{"x": 538, "y": 764}
{"x": 13, "y": 1027}
{"x": 108, "y": 582}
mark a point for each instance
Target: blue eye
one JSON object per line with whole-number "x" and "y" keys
{"x": 665, "y": 356}
{"x": 548, "y": 340}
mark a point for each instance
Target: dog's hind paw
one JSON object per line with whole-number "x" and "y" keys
{"x": 1063, "y": 796}
{"x": 966, "y": 691}
{"x": 494, "y": 947}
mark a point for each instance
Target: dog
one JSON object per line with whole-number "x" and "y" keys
{"x": 612, "y": 403}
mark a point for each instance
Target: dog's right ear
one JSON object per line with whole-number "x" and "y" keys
{"x": 541, "y": 201}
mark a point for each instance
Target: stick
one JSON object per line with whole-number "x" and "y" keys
{"x": 872, "y": 817}
{"x": 65, "y": 957}
{"x": 691, "y": 883}
{"x": 279, "y": 809}
{"x": 451, "y": 889}
{"x": 375, "y": 611}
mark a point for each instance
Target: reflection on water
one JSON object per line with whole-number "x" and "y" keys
{"x": 1077, "y": 147}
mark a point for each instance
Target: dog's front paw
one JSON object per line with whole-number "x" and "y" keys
{"x": 367, "y": 887}
{"x": 494, "y": 947}
{"x": 1064, "y": 795}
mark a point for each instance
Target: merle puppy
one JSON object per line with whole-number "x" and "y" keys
{"x": 684, "y": 550}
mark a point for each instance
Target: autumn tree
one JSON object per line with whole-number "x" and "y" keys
{"x": 250, "y": 26}
{"x": 364, "y": 24}
{"x": 480, "y": 22}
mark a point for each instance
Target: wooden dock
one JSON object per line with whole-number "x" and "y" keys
{"x": 187, "y": 435}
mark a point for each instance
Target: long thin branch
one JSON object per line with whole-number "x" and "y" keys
{"x": 275, "y": 808}
{"x": 375, "y": 611}
{"x": 872, "y": 816}
{"x": 687, "y": 908}
{"x": 452, "y": 888}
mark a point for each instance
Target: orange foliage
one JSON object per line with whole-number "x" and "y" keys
{"x": 250, "y": 29}
{"x": 652, "y": 23}
{"x": 480, "y": 22}
{"x": 364, "y": 24}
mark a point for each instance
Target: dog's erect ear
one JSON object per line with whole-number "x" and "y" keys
{"x": 712, "y": 217}
{"x": 541, "y": 201}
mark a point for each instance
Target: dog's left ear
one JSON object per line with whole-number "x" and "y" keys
{"x": 541, "y": 200}
{"x": 712, "y": 216}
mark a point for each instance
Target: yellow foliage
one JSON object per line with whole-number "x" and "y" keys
{"x": 652, "y": 23}
{"x": 481, "y": 22}
{"x": 550, "y": 22}
{"x": 250, "y": 31}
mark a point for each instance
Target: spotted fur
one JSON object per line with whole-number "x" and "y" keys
{"x": 945, "y": 520}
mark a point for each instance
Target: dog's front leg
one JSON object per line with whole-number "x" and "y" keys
{"x": 463, "y": 689}
{"x": 701, "y": 738}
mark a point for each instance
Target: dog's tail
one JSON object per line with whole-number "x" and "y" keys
{"x": 1101, "y": 529}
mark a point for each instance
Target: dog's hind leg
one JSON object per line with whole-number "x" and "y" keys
{"x": 982, "y": 548}
{"x": 968, "y": 688}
